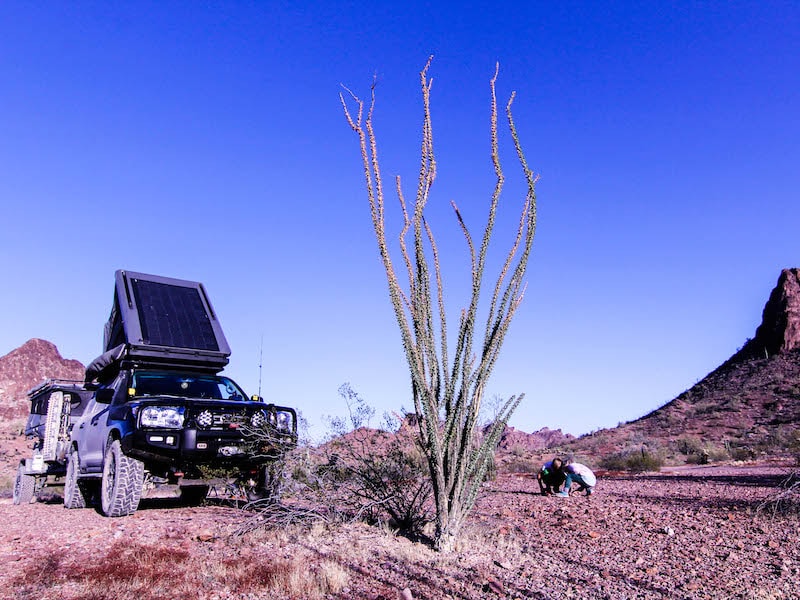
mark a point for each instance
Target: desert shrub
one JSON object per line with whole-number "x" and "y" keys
{"x": 520, "y": 465}
{"x": 705, "y": 408}
{"x": 733, "y": 403}
{"x": 373, "y": 474}
{"x": 690, "y": 445}
{"x": 518, "y": 450}
{"x": 793, "y": 445}
{"x": 359, "y": 473}
{"x": 717, "y": 453}
{"x": 700, "y": 458}
{"x": 741, "y": 453}
{"x": 379, "y": 476}
{"x": 614, "y": 462}
{"x": 6, "y": 486}
{"x": 636, "y": 461}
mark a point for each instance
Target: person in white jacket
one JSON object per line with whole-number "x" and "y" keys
{"x": 580, "y": 474}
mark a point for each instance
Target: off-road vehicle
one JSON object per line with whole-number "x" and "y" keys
{"x": 55, "y": 405}
{"x": 161, "y": 414}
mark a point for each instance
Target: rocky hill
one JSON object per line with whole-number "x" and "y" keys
{"x": 25, "y": 367}
{"x": 748, "y": 406}
{"x": 20, "y": 370}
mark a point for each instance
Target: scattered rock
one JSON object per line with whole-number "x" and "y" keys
{"x": 492, "y": 585}
{"x": 205, "y": 535}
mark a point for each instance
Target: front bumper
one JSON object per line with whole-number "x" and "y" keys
{"x": 196, "y": 447}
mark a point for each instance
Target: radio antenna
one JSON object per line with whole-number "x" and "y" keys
{"x": 260, "y": 357}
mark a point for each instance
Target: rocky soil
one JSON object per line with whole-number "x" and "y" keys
{"x": 687, "y": 533}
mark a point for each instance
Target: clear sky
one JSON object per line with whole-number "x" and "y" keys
{"x": 205, "y": 141}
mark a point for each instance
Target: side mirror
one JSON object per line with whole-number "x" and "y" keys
{"x": 104, "y": 396}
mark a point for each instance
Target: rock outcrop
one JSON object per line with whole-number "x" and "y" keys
{"x": 533, "y": 442}
{"x": 751, "y": 402}
{"x": 25, "y": 367}
{"x": 780, "y": 322}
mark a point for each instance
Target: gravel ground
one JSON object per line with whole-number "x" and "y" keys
{"x": 686, "y": 533}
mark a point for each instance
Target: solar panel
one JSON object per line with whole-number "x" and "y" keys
{"x": 172, "y": 315}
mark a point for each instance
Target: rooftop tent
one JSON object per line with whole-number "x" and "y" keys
{"x": 162, "y": 322}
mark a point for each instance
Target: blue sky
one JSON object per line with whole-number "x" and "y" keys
{"x": 206, "y": 141}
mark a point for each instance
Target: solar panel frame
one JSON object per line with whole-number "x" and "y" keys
{"x": 167, "y": 312}
{"x": 173, "y": 315}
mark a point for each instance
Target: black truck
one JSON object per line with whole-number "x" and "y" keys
{"x": 160, "y": 413}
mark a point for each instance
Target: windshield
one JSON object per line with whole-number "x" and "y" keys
{"x": 183, "y": 385}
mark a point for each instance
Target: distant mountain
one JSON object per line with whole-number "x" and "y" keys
{"x": 514, "y": 440}
{"x": 749, "y": 405}
{"x": 27, "y": 366}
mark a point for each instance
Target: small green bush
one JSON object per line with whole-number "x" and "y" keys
{"x": 717, "y": 454}
{"x": 636, "y": 461}
{"x": 520, "y": 465}
{"x": 690, "y": 445}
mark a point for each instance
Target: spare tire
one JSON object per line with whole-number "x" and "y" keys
{"x": 24, "y": 486}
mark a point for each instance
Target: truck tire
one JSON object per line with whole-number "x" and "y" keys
{"x": 266, "y": 486}
{"x": 121, "y": 487}
{"x": 24, "y": 486}
{"x": 76, "y": 494}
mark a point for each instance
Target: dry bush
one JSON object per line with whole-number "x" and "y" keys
{"x": 378, "y": 476}
{"x": 360, "y": 474}
{"x": 786, "y": 500}
{"x": 366, "y": 474}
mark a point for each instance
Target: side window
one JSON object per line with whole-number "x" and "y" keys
{"x": 229, "y": 391}
{"x": 120, "y": 386}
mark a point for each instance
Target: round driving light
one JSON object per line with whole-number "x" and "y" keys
{"x": 205, "y": 419}
{"x": 258, "y": 420}
{"x": 284, "y": 421}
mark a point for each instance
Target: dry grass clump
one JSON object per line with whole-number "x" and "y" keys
{"x": 291, "y": 578}
{"x": 154, "y": 572}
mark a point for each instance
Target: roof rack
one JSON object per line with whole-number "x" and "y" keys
{"x": 52, "y": 382}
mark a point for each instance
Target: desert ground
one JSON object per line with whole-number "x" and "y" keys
{"x": 683, "y": 533}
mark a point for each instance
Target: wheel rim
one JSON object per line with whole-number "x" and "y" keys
{"x": 18, "y": 485}
{"x": 109, "y": 480}
{"x": 72, "y": 478}
{"x": 68, "y": 480}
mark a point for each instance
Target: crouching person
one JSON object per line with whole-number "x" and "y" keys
{"x": 550, "y": 476}
{"x": 580, "y": 474}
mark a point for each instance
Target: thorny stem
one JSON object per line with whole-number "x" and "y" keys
{"x": 447, "y": 392}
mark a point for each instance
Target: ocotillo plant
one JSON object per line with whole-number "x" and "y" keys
{"x": 447, "y": 391}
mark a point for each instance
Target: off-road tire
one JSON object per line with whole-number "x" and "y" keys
{"x": 194, "y": 495}
{"x": 268, "y": 484}
{"x": 76, "y": 492}
{"x": 24, "y": 486}
{"x": 123, "y": 478}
